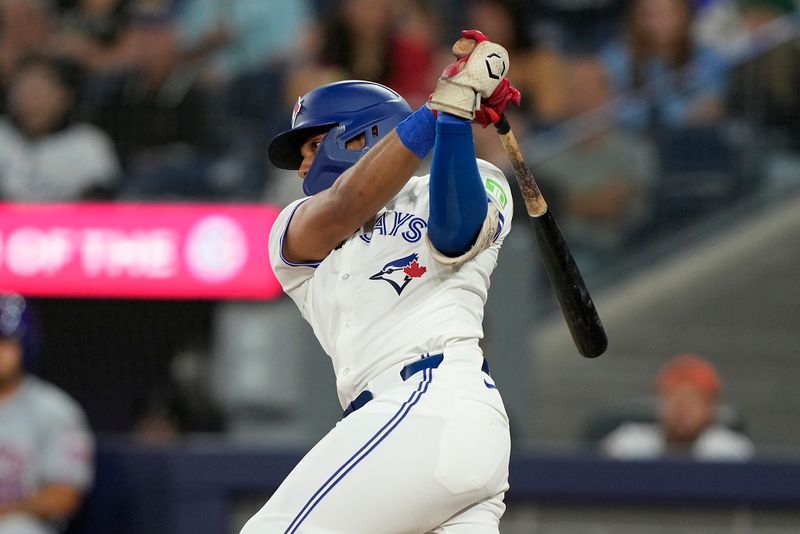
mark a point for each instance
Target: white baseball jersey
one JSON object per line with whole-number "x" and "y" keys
{"x": 380, "y": 298}
{"x": 430, "y": 451}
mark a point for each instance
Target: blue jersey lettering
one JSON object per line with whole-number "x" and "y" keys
{"x": 414, "y": 232}
{"x": 411, "y": 225}
{"x": 399, "y": 220}
{"x": 380, "y": 224}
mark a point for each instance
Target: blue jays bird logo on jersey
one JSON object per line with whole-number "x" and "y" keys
{"x": 399, "y": 273}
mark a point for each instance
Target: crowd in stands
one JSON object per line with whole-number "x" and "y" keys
{"x": 176, "y": 99}
{"x": 635, "y": 113}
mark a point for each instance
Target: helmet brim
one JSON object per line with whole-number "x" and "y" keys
{"x": 284, "y": 149}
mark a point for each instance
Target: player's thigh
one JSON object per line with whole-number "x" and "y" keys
{"x": 390, "y": 470}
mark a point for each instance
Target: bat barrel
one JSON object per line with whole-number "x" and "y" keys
{"x": 565, "y": 278}
{"x": 573, "y": 297}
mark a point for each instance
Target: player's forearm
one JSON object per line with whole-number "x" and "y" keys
{"x": 332, "y": 216}
{"x": 53, "y": 503}
{"x": 378, "y": 176}
{"x": 372, "y": 182}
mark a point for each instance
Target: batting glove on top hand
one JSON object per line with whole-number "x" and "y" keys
{"x": 478, "y": 74}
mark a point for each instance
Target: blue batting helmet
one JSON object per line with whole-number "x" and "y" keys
{"x": 345, "y": 110}
{"x": 17, "y": 322}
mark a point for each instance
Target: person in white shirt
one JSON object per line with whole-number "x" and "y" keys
{"x": 44, "y": 155}
{"x": 46, "y": 447}
{"x": 689, "y": 393}
{"x": 392, "y": 272}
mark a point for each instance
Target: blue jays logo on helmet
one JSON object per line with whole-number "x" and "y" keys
{"x": 345, "y": 110}
{"x": 296, "y": 110}
{"x": 399, "y": 273}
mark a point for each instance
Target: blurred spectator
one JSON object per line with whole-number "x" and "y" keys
{"x": 95, "y": 33}
{"x": 157, "y": 115}
{"x": 237, "y": 37}
{"x": 537, "y": 70}
{"x": 239, "y": 50}
{"x": 603, "y": 182}
{"x": 100, "y": 21}
{"x": 667, "y": 79}
{"x": 377, "y": 40}
{"x": 689, "y": 391}
{"x": 764, "y": 89}
{"x": 26, "y": 27}
{"x": 44, "y": 154}
{"x": 46, "y": 448}
{"x": 578, "y": 26}
{"x": 417, "y": 57}
{"x": 717, "y": 24}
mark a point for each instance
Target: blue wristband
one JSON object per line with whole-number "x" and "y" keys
{"x": 418, "y": 131}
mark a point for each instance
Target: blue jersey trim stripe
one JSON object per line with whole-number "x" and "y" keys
{"x": 313, "y": 264}
{"x": 499, "y": 226}
{"x": 362, "y": 453}
{"x": 501, "y": 222}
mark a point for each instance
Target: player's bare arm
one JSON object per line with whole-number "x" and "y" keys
{"x": 331, "y": 216}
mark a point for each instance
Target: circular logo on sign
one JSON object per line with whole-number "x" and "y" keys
{"x": 216, "y": 249}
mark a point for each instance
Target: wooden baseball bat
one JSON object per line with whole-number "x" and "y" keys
{"x": 565, "y": 278}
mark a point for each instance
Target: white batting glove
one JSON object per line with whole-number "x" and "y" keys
{"x": 481, "y": 66}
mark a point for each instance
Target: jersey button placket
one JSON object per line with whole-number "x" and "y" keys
{"x": 348, "y": 322}
{"x": 344, "y": 297}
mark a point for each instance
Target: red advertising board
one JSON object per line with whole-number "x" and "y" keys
{"x": 189, "y": 251}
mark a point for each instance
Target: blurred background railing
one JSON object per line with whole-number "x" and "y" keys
{"x": 665, "y": 134}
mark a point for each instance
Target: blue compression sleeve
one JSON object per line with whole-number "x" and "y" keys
{"x": 457, "y": 195}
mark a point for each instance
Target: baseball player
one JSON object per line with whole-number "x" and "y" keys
{"x": 45, "y": 445}
{"x": 392, "y": 271}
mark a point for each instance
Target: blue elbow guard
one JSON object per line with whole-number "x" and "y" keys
{"x": 458, "y": 202}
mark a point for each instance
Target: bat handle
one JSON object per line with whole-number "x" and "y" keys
{"x": 502, "y": 126}
{"x": 535, "y": 203}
